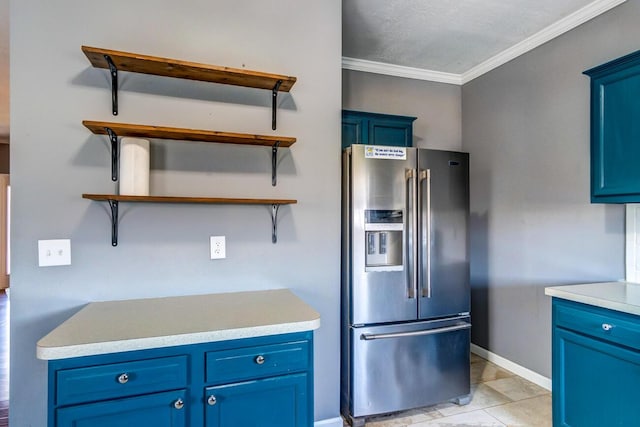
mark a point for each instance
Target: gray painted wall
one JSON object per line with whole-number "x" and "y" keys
{"x": 164, "y": 249}
{"x": 436, "y": 105}
{"x": 526, "y": 126}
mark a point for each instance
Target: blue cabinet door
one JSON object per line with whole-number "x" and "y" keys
{"x": 280, "y": 401}
{"x": 359, "y": 127}
{"x": 354, "y": 131}
{"x": 167, "y": 409}
{"x": 615, "y": 131}
{"x": 595, "y": 384}
{"x": 397, "y": 131}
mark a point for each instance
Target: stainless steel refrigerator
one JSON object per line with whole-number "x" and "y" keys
{"x": 405, "y": 279}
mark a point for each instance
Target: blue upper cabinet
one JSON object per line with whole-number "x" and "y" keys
{"x": 360, "y": 127}
{"x": 615, "y": 130}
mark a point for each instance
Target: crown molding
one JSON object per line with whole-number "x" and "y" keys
{"x": 400, "y": 71}
{"x": 554, "y": 30}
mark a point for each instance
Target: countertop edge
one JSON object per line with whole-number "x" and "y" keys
{"x": 596, "y": 301}
{"x": 94, "y": 349}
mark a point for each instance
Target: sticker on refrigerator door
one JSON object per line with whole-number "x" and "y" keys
{"x": 383, "y": 152}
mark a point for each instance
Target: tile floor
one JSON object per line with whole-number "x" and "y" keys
{"x": 499, "y": 398}
{"x": 4, "y": 359}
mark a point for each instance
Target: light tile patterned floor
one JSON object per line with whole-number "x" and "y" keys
{"x": 499, "y": 398}
{"x": 4, "y": 359}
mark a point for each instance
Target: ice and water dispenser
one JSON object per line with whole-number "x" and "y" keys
{"x": 383, "y": 245}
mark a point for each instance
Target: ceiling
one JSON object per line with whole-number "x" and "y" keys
{"x": 453, "y": 41}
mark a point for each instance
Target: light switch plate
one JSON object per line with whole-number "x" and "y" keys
{"x": 54, "y": 252}
{"x": 218, "y": 247}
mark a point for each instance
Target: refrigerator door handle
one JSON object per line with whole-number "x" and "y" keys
{"x": 411, "y": 176}
{"x": 370, "y": 337}
{"x": 425, "y": 249}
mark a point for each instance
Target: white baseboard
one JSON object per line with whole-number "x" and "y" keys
{"x": 330, "y": 422}
{"x": 521, "y": 371}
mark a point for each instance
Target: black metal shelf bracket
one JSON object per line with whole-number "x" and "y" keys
{"x": 114, "y": 84}
{"x": 274, "y": 103}
{"x": 114, "y": 222}
{"x": 274, "y": 223}
{"x": 114, "y": 153}
{"x": 274, "y": 163}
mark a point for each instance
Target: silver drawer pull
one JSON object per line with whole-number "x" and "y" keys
{"x": 607, "y": 326}
{"x": 212, "y": 400}
{"x": 178, "y": 404}
{"x": 123, "y": 378}
{"x": 260, "y": 360}
{"x": 369, "y": 337}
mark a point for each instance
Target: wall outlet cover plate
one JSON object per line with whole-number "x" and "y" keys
{"x": 218, "y": 247}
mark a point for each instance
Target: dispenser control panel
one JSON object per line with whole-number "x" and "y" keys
{"x": 384, "y": 234}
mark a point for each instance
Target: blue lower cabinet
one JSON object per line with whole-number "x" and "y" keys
{"x": 157, "y": 410}
{"x": 271, "y": 402}
{"x": 263, "y": 381}
{"x": 596, "y": 366}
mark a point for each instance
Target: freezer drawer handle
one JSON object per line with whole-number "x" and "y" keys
{"x": 370, "y": 337}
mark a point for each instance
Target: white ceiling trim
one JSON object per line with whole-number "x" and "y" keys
{"x": 400, "y": 71}
{"x": 554, "y": 30}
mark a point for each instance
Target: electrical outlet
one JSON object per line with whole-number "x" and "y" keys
{"x": 54, "y": 252}
{"x": 218, "y": 247}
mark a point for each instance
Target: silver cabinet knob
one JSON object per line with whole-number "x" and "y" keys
{"x": 260, "y": 360}
{"x": 178, "y": 404}
{"x": 212, "y": 400}
{"x": 607, "y": 326}
{"x": 123, "y": 378}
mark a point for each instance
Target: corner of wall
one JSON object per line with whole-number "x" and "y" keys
{"x": 632, "y": 243}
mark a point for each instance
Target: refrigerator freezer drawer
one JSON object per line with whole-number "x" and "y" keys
{"x": 398, "y": 367}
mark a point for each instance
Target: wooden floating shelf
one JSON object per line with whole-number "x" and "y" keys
{"x": 115, "y": 199}
{"x": 175, "y": 199}
{"x": 115, "y": 61}
{"x": 184, "y": 134}
{"x": 162, "y": 132}
{"x": 137, "y": 63}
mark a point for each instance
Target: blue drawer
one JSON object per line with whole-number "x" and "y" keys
{"x": 120, "y": 379}
{"x": 256, "y": 362}
{"x": 165, "y": 409}
{"x": 607, "y": 325}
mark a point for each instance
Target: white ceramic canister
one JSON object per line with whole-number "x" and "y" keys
{"x": 134, "y": 167}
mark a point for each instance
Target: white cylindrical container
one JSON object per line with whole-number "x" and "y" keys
{"x": 134, "y": 167}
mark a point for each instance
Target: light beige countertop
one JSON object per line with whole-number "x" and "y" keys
{"x": 619, "y": 296}
{"x": 117, "y": 326}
